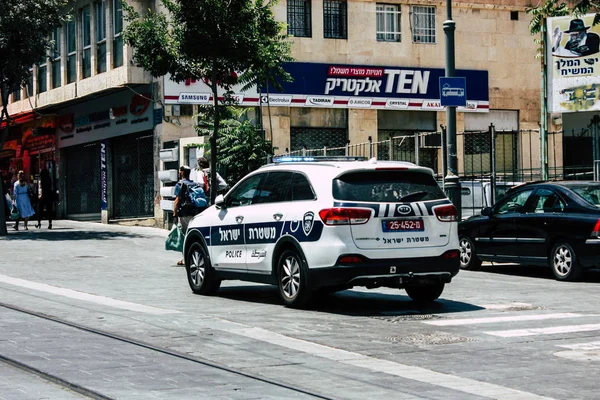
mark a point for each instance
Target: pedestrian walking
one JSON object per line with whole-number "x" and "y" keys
{"x": 183, "y": 210}
{"x": 204, "y": 166}
{"x": 45, "y": 198}
{"x": 21, "y": 193}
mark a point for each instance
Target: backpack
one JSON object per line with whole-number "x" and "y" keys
{"x": 197, "y": 196}
{"x": 194, "y": 199}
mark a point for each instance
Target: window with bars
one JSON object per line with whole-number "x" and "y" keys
{"x": 86, "y": 30}
{"x": 335, "y": 19}
{"x": 55, "y": 58}
{"x": 117, "y": 14}
{"x": 388, "y": 23}
{"x": 100, "y": 25}
{"x": 299, "y": 18}
{"x": 71, "y": 52}
{"x": 423, "y": 24}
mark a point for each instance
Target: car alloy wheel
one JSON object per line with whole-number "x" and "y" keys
{"x": 292, "y": 279}
{"x": 564, "y": 263}
{"x": 468, "y": 259}
{"x": 201, "y": 276}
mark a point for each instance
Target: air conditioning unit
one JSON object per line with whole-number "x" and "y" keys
{"x": 167, "y": 191}
{"x": 169, "y": 175}
{"x": 168, "y": 155}
{"x": 167, "y": 205}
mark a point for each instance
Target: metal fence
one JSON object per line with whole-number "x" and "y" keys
{"x": 509, "y": 156}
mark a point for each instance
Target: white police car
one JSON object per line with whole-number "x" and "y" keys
{"x": 310, "y": 224}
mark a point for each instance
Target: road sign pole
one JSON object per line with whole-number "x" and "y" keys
{"x": 452, "y": 182}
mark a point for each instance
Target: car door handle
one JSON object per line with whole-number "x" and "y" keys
{"x": 239, "y": 219}
{"x": 277, "y": 216}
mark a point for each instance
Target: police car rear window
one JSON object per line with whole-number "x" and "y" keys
{"x": 386, "y": 186}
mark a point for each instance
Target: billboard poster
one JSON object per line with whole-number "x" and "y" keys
{"x": 573, "y": 64}
{"x": 347, "y": 86}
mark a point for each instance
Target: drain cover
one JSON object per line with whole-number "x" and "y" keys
{"x": 427, "y": 339}
{"x": 88, "y": 256}
{"x": 405, "y": 317}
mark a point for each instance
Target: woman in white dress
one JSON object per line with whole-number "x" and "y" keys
{"x": 21, "y": 197}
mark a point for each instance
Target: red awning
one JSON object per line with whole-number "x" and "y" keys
{"x": 20, "y": 118}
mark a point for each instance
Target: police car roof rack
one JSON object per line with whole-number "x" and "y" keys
{"x": 284, "y": 159}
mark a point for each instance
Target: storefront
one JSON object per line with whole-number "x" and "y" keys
{"x": 107, "y": 147}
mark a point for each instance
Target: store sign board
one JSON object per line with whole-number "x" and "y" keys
{"x": 103, "y": 177}
{"x": 574, "y": 64}
{"x": 347, "y": 86}
{"x": 110, "y": 116}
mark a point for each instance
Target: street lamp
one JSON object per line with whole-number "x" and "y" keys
{"x": 451, "y": 181}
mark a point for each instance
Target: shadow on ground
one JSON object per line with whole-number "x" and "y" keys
{"x": 537, "y": 272}
{"x": 351, "y": 302}
{"x": 66, "y": 234}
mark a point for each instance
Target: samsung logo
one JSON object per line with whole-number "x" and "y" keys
{"x": 194, "y": 98}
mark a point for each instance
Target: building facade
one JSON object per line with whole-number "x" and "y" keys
{"x": 364, "y": 70}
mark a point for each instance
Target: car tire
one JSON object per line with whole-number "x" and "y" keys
{"x": 468, "y": 258}
{"x": 564, "y": 263}
{"x": 292, "y": 279}
{"x": 425, "y": 293}
{"x": 201, "y": 276}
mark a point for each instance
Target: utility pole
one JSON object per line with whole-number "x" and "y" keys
{"x": 451, "y": 182}
{"x": 544, "y": 107}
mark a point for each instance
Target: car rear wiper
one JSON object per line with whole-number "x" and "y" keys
{"x": 414, "y": 196}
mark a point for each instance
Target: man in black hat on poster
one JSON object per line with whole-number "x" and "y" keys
{"x": 581, "y": 42}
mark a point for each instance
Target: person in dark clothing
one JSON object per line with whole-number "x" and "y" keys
{"x": 45, "y": 198}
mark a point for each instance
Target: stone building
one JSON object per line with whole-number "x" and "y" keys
{"x": 104, "y": 120}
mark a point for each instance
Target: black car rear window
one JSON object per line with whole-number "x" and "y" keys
{"x": 386, "y": 186}
{"x": 589, "y": 192}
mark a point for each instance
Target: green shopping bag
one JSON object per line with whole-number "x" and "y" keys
{"x": 175, "y": 239}
{"x": 14, "y": 213}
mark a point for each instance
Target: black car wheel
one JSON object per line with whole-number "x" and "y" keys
{"x": 425, "y": 293}
{"x": 201, "y": 276}
{"x": 468, "y": 258}
{"x": 292, "y": 279}
{"x": 564, "y": 263}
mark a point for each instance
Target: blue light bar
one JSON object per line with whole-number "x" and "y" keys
{"x": 286, "y": 159}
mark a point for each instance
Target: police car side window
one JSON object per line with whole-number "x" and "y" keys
{"x": 301, "y": 188}
{"x": 243, "y": 194}
{"x": 276, "y": 188}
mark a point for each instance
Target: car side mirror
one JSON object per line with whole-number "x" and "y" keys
{"x": 486, "y": 211}
{"x": 220, "y": 201}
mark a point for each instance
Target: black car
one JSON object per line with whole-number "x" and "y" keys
{"x": 551, "y": 223}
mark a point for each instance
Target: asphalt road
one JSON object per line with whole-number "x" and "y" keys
{"x": 505, "y": 332}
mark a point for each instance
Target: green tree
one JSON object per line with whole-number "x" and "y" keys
{"x": 212, "y": 40}
{"x": 242, "y": 148}
{"x": 25, "y": 28}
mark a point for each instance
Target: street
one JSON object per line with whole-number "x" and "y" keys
{"x": 103, "y": 311}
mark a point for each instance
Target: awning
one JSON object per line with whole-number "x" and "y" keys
{"x": 20, "y": 118}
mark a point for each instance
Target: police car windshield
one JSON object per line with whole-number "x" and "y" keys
{"x": 386, "y": 186}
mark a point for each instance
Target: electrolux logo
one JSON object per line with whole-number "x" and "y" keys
{"x": 278, "y": 100}
{"x": 319, "y": 101}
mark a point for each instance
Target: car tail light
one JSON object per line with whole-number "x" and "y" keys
{"x": 446, "y": 213}
{"x": 451, "y": 254}
{"x": 345, "y": 216}
{"x": 350, "y": 260}
{"x": 596, "y": 231}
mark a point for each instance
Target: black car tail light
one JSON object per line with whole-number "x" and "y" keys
{"x": 596, "y": 231}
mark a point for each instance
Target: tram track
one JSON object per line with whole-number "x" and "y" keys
{"x": 73, "y": 386}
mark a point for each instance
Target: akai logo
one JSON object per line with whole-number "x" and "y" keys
{"x": 404, "y": 209}
{"x": 65, "y": 123}
{"x": 139, "y": 104}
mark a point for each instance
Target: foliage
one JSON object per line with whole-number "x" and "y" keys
{"x": 550, "y": 8}
{"x": 242, "y": 148}
{"x": 211, "y": 40}
{"x": 25, "y": 29}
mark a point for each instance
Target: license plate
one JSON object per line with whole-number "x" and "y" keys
{"x": 402, "y": 225}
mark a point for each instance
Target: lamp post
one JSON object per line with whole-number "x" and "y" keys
{"x": 451, "y": 181}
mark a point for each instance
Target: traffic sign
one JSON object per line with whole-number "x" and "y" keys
{"x": 453, "y": 92}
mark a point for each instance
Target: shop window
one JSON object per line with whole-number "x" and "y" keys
{"x": 335, "y": 19}
{"x": 56, "y": 58}
{"x": 423, "y": 24}
{"x": 71, "y": 52}
{"x": 299, "y": 18}
{"x": 388, "y": 23}
{"x": 87, "y": 42}
{"x": 117, "y": 33}
{"x": 100, "y": 25}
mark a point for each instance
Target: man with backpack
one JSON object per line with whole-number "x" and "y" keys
{"x": 190, "y": 200}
